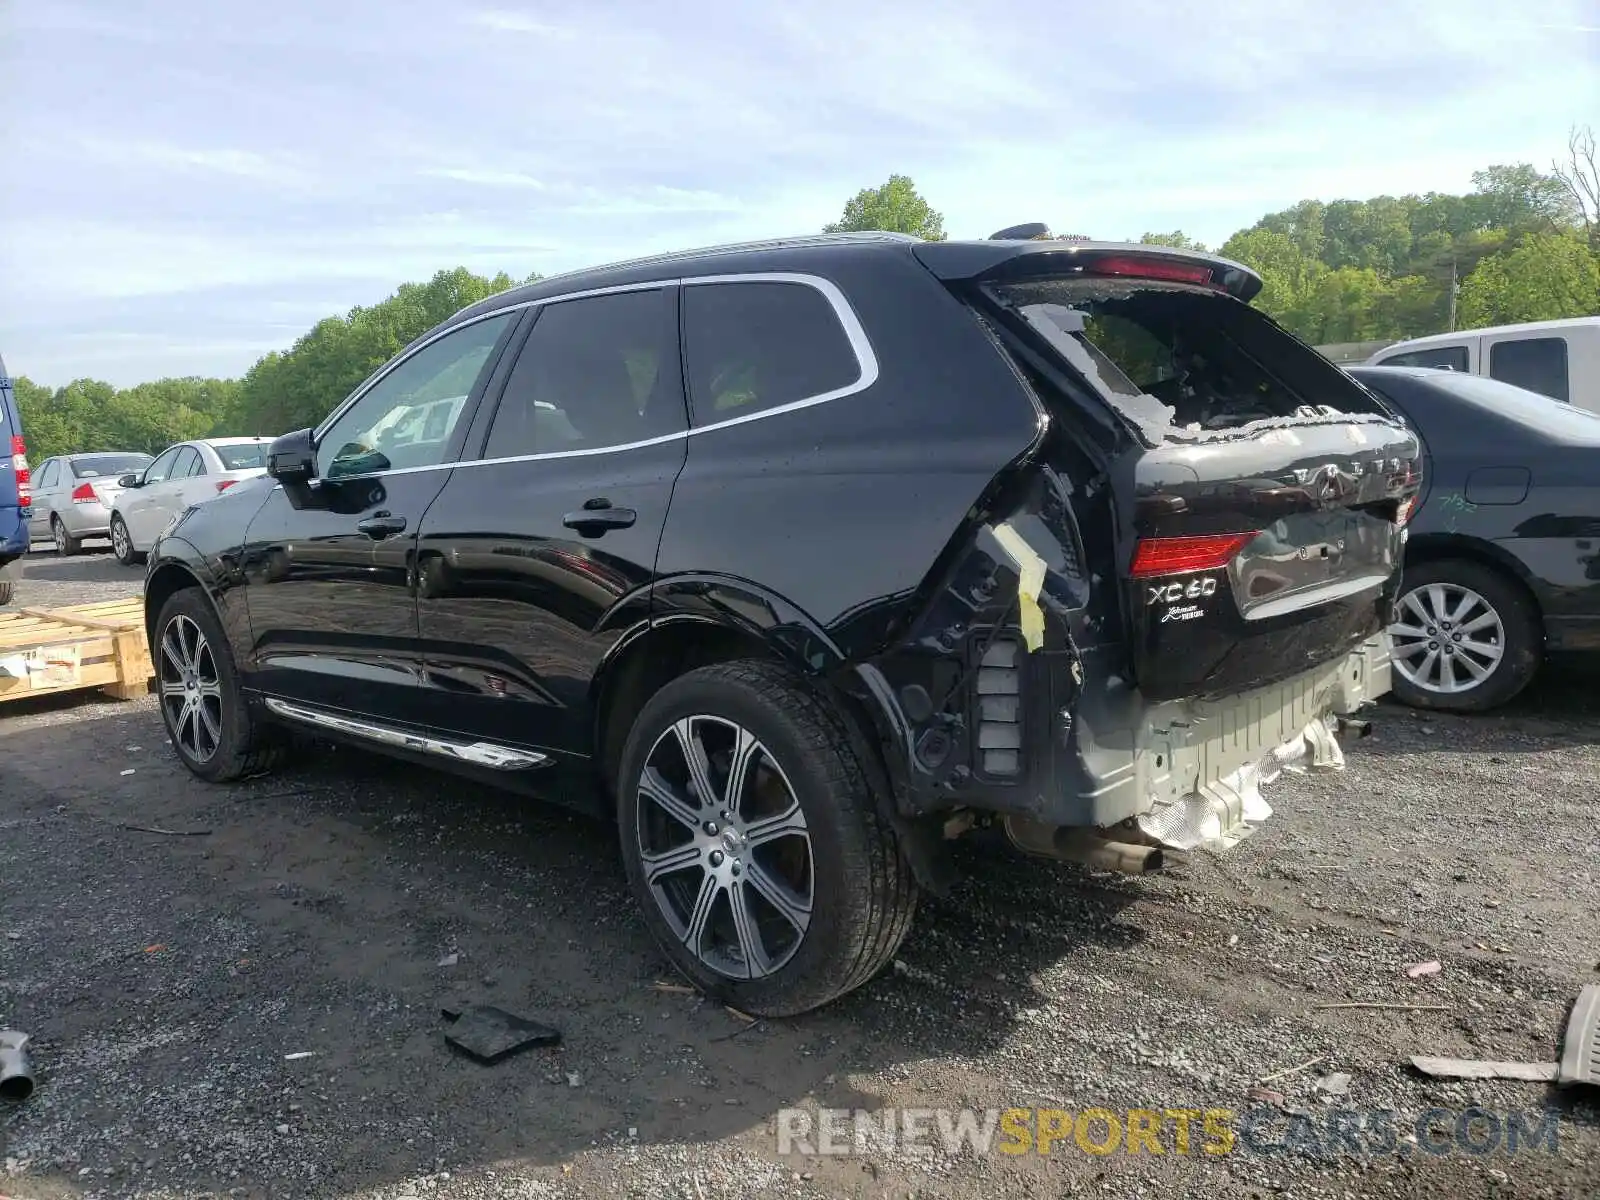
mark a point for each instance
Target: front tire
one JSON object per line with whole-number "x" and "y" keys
{"x": 66, "y": 544}
{"x": 122, "y": 543}
{"x": 753, "y": 843}
{"x": 208, "y": 720}
{"x": 1468, "y": 638}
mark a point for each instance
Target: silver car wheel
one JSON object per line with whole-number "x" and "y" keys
{"x": 191, "y": 689}
{"x": 120, "y": 542}
{"x": 58, "y": 534}
{"x": 724, "y": 847}
{"x": 1448, "y": 638}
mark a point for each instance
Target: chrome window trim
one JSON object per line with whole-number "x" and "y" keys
{"x": 855, "y": 333}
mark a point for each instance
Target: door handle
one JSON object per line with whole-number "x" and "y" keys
{"x": 597, "y": 516}
{"x": 381, "y": 526}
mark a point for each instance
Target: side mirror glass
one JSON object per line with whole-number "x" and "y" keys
{"x": 130, "y": 480}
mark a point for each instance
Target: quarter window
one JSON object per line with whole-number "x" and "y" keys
{"x": 595, "y": 372}
{"x": 1538, "y": 364}
{"x": 406, "y": 419}
{"x": 1448, "y": 358}
{"x": 755, "y": 346}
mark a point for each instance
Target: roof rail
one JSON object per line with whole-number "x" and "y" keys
{"x": 778, "y": 243}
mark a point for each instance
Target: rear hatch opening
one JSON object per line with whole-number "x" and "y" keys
{"x": 1259, "y": 493}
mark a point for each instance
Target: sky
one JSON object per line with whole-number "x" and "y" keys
{"x": 189, "y": 184}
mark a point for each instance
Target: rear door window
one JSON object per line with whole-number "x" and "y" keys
{"x": 595, "y": 373}
{"x": 1538, "y": 364}
{"x": 1445, "y": 358}
{"x": 188, "y": 464}
{"x": 47, "y": 477}
{"x": 754, "y": 346}
{"x": 1179, "y": 360}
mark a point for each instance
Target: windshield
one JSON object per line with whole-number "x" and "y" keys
{"x": 1555, "y": 417}
{"x": 98, "y": 465}
{"x": 245, "y": 457}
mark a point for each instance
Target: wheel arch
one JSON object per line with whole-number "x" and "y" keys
{"x": 685, "y": 637}
{"x": 165, "y": 580}
{"x": 1432, "y": 548}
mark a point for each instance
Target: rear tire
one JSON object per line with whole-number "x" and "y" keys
{"x": 1468, "y": 637}
{"x": 8, "y": 588}
{"x": 66, "y": 544}
{"x": 210, "y": 723}
{"x": 122, "y": 543}
{"x": 771, "y": 923}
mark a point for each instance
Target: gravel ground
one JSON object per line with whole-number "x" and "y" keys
{"x": 167, "y": 978}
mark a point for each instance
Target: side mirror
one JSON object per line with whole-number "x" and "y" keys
{"x": 292, "y": 461}
{"x": 293, "y": 458}
{"x": 130, "y": 480}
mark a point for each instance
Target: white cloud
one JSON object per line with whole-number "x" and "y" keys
{"x": 514, "y": 22}
{"x": 486, "y": 177}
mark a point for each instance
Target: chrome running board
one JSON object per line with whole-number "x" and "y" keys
{"x": 478, "y": 754}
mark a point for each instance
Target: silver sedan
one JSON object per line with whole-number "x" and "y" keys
{"x": 73, "y": 494}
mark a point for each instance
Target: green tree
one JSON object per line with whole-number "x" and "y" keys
{"x": 1544, "y": 277}
{"x": 893, "y": 208}
{"x": 1519, "y": 198}
{"x": 300, "y": 386}
{"x": 1177, "y": 239}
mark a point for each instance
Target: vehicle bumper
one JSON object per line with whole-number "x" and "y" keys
{"x": 14, "y": 539}
{"x": 86, "y": 520}
{"x": 1190, "y": 773}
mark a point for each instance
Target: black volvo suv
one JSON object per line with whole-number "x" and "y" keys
{"x": 799, "y": 559}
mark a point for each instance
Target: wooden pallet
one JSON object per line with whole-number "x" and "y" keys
{"x": 63, "y": 649}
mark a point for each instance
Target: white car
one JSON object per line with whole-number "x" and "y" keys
{"x": 185, "y": 474}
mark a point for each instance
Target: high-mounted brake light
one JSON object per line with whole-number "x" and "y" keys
{"x": 1139, "y": 267}
{"x": 19, "y": 464}
{"x": 224, "y": 484}
{"x": 1182, "y": 555}
{"x": 84, "y": 494}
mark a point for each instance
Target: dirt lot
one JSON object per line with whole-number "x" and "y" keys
{"x": 166, "y": 977}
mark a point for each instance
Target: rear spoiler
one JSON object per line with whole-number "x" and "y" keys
{"x": 1029, "y": 251}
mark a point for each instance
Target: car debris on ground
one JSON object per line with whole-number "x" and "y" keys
{"x": 1580, "y": 1056}
{"x": 16, "y": 1068}
{"x": 490, "y": 1034}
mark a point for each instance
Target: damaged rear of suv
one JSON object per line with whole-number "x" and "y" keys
{"x": 814, "y": 555}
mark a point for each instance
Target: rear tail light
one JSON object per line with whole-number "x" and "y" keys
{"x": 1139, "y": 267}
{"x": 19, "y": 464}
{"x": 224, "y": 484}
{"x": 1181, "y": 555}
{"x": 84, "y": 494}
{"x": 1000, "y": 709}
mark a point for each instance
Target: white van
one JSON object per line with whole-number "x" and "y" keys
{"x": 1555, "y": 358}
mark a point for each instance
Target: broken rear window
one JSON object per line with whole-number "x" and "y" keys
{"x": 1181, "y": 360}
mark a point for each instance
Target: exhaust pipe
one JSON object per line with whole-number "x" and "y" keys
{"x": 1087, "y": 846}
{"x": 16, "y": 1071}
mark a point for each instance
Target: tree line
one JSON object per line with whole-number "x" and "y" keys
{"x": 1523, "y": 245}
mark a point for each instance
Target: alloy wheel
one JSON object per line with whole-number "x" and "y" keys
{"x": 724, "y": 847}
{"x": 1448, "y": 638}
{"x": 119, "y": 540}
{"x": 58, "y": 534}
{"x": 191, "y": 689}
